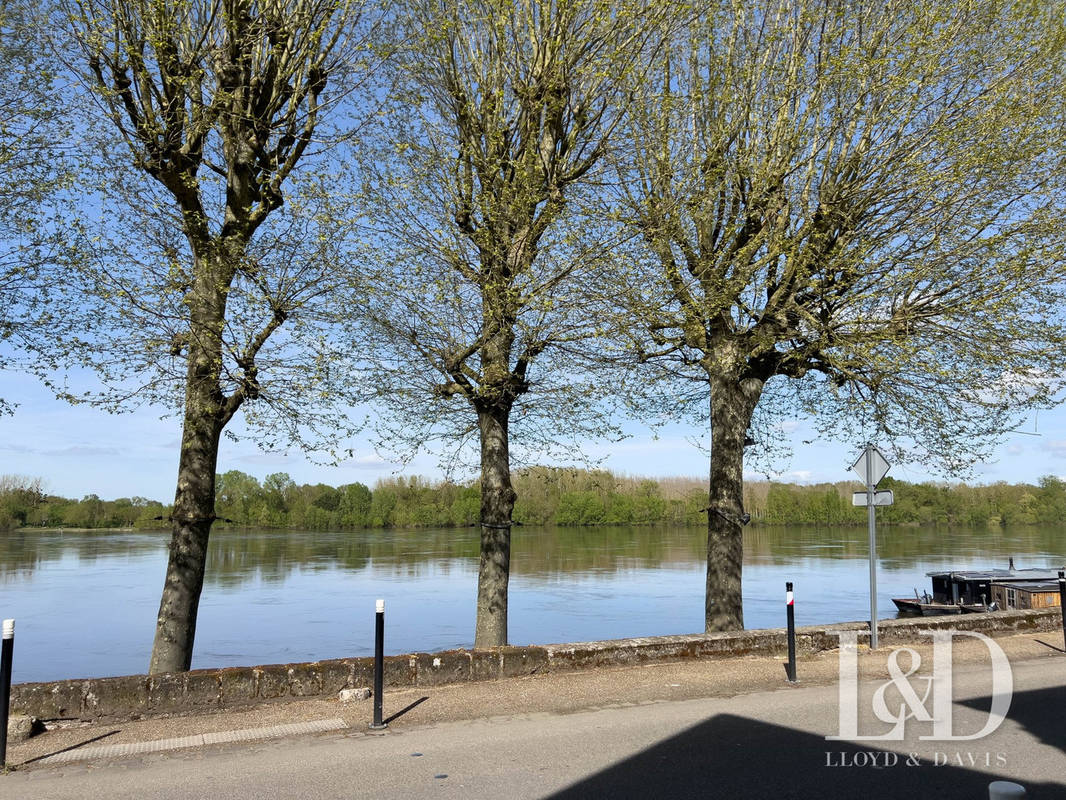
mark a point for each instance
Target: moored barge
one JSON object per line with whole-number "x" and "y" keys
{"x": 971, "y": 591}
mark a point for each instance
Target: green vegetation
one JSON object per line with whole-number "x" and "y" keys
{"x": 547, "y": 496}
{"x": 843, "y": 209}
{"x": 24, "y": 503}
{"x": 497, "y": 116}
{"x": 204, "y": 135}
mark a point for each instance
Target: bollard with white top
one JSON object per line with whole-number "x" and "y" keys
{"x": 6, "y": 650}
{"x": 1005, "y": 790}
{"x": 790, "y": 617}
{"x": 379, "y": 663}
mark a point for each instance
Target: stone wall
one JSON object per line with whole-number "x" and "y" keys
{"x": 136, "y": 696}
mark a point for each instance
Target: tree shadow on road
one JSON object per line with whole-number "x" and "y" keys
{"x": 1041, "y": 712}
{"x": 733, "y": 757}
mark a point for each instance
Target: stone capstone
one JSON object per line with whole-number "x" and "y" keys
{"x": 21, "y": 727}
{"x": 136, "y": 696}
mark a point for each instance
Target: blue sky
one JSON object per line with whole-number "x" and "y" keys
{"x": 81, "y": 450}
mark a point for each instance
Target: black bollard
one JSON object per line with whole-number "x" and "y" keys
{"x": 790, "y": 611}
{"x": 1062, "y": 605}
{"x": 5, "y": 685}
{"x": 379, "y": 664}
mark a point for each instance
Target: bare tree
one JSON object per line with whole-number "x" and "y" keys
{"x": 851, "y": 210}
{"x": 500, "y": 114}
{"x": 208, "y": 237}
{"x": 32, "y": 175}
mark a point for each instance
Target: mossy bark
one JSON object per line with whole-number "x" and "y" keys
{"x": 497, "y": 502}
{"x": 206, "y": 413}
{"x": 733, "y": 402}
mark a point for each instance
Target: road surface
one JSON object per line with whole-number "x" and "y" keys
{"x": 764, "y": 744}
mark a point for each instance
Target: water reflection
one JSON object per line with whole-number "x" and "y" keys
{"x": 237, "y": 557}
{"x": 25, "y": 550}
{"x": 86, "y": 601}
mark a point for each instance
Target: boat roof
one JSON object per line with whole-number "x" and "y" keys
{"x": 1031, "y": 586}
{"x": 997, "y": 574}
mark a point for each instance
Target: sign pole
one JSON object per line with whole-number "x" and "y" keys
{"x": 871, "y": 468}
{"x": 872, "y": 523}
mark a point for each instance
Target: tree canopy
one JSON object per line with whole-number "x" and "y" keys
{"x": 499, "y": 113}
{"x": 32, "y": 175}
{"x": 854, "y": 210}
{"x": 206, "y": 262}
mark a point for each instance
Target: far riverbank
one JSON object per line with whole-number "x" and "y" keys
{"x": 546, "y": 496}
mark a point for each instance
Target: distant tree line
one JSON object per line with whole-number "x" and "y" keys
{"x": 23, "y": 502}
{"x": 944, "y": 504}
{"x": 547, "y": 496}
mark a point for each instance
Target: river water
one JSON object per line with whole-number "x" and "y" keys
{"x": 85, "y": 602}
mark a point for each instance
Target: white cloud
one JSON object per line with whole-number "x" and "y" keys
{"x": 792, "y": 476}
{"x": 262, "y": 457}
{"x": 18, "y": 448}
{"x": 84, "y": 450}
{"x": 371, "y": 461}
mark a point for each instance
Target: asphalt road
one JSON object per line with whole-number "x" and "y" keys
{"x": 766, "y": 744}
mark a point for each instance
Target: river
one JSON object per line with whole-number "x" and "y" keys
{"x": 85, "y": 602}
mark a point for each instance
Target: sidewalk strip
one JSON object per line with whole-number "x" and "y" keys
{"x": 221, "y": 737}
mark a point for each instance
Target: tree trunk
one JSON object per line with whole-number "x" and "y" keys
{"x": 194, "y": 503}
{"x": 732, "y": 404}
{"x": 497, "y": 503}
{"x": 194, "y": 498}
